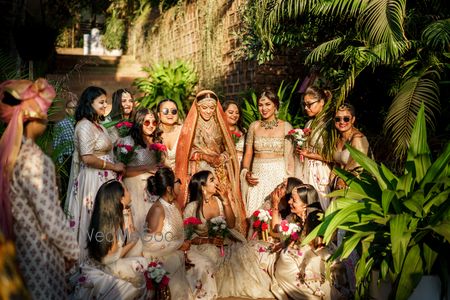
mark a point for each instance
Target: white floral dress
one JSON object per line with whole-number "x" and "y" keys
{"x": 85, "y": 181}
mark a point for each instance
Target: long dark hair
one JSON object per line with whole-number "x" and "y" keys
{"x": 158, "y": 184}
{"x": 291, "y": 183}
{"x": 116, "y": 108}
{"x": 84, "y": 108}
{"x": 136, "y": 130}
{"x": 198, "y": 180}
{"x": 107, "y": 219}
{"x": 239, "y": 122}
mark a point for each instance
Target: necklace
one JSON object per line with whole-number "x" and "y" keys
{"x": 269, "y": 124}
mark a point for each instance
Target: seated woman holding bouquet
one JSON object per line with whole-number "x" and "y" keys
{"x": 107, "y": 273}
{"x": 300, "y": 271}
{"x": 141, "y": 161}
{"x": 164, "y": 240}
{"x": 224, "y": 264}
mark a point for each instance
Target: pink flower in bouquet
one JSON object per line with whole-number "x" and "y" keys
{"x": 261, "y": 219}
{"x": 124, "y": 128}
{"x": 298, "y": 136}
{"x": 189, "y": 226}
{"x": 156, "y": 276}
{"x": 236, "y": 136}
{"x": 124, "y": 153}
{"x": 289, "y": 231}
{"x": 159, "y": 149}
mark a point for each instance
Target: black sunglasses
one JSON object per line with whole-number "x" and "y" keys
{"x": 166, "y": 111}
{"x": 340, "y": 119}
{"x": 148, "y": 122}
{"x": 308, "y": 105}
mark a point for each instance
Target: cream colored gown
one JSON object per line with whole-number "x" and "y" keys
{"x": 236, "y": 274}
{"x": 164, "y": 248}
{"x": 137, "y": 185}
{"x": 269, "y": 171}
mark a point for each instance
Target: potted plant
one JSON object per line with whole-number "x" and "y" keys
{"x": 400, "y": 225}
{"x": 113, "y": 39}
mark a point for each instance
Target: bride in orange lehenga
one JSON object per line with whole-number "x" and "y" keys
{"x": 206, "y": 144}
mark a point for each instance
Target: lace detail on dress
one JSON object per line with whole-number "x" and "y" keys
{"x": 90, "y": 139}
{"x": 143, "y": 156}
{"x": 175, "y": 225}
{"x": 265, "y": 144}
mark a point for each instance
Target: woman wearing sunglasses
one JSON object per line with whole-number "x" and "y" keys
{"x": 168, "y": 123}
{"x": 143, "y": 163}
{"x": 344, "y": 120}
{"x": 315, "y": 169}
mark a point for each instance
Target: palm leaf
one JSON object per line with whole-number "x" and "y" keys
{"x": 405, "y": 107}
{"x": 320, "y": 52}
{"x": 382, "y": 23}
{"x": 437, "y": 35}
{"x": 339, "y": 9}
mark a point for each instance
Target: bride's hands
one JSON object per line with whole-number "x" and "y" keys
{"x": 252, "y": 181}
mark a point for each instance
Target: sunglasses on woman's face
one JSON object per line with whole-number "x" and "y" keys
{"x": 166, "y": 111}
{"x": 148, "y": 123}
{"x": 342, "y": 119}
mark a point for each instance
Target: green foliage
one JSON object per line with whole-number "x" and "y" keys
{"x": 115, "y": 32}
{"x": 399, "y": 224}
{"x": 285, "y": 94}
{"x": 173, "y": 80}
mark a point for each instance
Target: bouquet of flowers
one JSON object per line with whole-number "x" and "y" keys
{"x": 261, "y": 219}
{"x": 159, "y": 149}
{"x": 189, "y": 225}
{"x": 289, "y": 232}
{"x": 156, "y": 279}
{"x": 217, "y": 227}
{"x": 124, "y": 153}
{"x": 124, "y": 128}
{"x": 299, "y": 136}
{"x": 236, "y": 136}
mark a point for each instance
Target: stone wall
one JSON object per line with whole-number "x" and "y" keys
{"x": 204, "y": 33}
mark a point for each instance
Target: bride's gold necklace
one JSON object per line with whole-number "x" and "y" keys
{"x": 269, "y": 124}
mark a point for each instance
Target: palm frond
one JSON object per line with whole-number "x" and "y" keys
{"x": 321, "y": 51}
{"x": 289, "y": 9}
{"x": 389, "y": 52}
{"x": 437, "y": 35}
{"x": 402, "y": 113}
{"x": 338, "y": 9}
{"x": 382, "y": 23}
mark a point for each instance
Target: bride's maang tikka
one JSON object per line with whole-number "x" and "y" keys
{"x": 206, "y": 95}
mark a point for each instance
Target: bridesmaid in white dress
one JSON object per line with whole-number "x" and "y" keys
{"x": 109, "y": 273}
{"x": 170, "y": 127}
{"x": 164, "y": 240}
{"x": 92, "y": 162}
{"x": 236, "y": 273}
{"x": 234, "y": 120}
{"x": 316, "y": 171}
{"x": 144, "y": 163}
{"x": 268, "y": 157}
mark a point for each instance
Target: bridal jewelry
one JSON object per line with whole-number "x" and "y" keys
{"x": 269, "y": 124}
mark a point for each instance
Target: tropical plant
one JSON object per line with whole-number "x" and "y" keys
{"x": 285, "y": 94}
{"x": 114, "y": 33}
{"x": 410, "y": 42}
{"x": 399, "y": 224}
{"x": 173, "y": 80}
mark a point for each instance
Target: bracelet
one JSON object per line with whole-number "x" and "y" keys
{"x": 104, "y": 164}
{"x": 225, "y": 203}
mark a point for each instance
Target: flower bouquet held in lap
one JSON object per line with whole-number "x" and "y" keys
{"x": 261, "y": 223}
{"x": 299, "y": 137}
{"x": 189, "y": 228}
{"x": 217, "y": 227}
{"x": 157, "y": 280}
{"x": 290, "y": 232}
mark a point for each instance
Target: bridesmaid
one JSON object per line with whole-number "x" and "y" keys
{"x": 233, "y": 273}
{"x": 92, "y": 164}
{"x": 164, "y": 239}
{"x": 122, "y": 110}
{"x": 315, "y": 168}
{"x": 233, "y": 117}
{"x": 268, "y": 157}
{"x": 143, "y": 164}
{"x": 170, "y": 127}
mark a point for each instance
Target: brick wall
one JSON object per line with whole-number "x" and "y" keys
{"x": 203, "y": 32}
